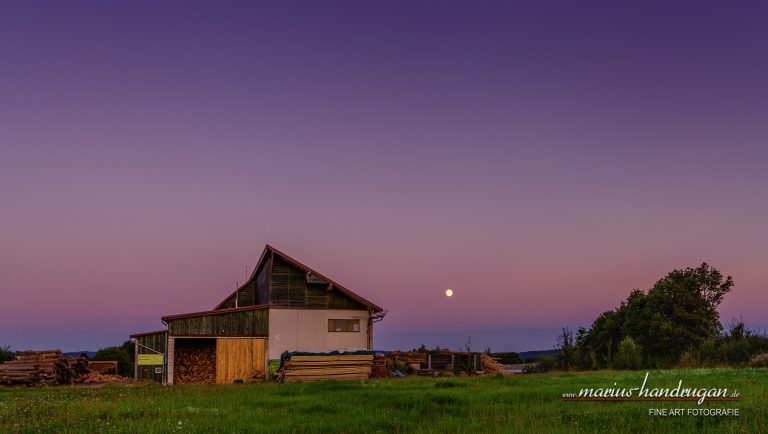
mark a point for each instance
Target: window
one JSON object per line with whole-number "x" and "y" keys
{"x": 343, "y": 325}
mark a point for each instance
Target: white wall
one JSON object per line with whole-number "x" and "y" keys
{"x": 307, "y": 330}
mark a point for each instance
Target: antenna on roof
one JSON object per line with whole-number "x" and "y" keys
{"x": 246, "y": 271}
{"x": 237, "y": 293}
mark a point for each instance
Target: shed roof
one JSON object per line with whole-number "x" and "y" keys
{"x": 214, "y": 312}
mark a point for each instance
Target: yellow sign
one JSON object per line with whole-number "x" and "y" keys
{"x": 150, "y": 359}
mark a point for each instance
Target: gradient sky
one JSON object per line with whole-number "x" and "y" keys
{"x": 541, "y": 158}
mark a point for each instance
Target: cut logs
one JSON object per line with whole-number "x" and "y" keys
{"x": 43, "y": 368}
{"x": 107, "y": 367}
{"x": 300, "y": 368}
{"x": 491, "y": 365}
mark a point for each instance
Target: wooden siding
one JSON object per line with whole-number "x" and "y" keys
{"x": 253, "y": 322}
{"x": 240, "y": 360}
{"x": 155, "y": 342}
{"x": 262, "y": 283}
{"x": 256, "y": 291}
{"x": 245, "y": 296}
{"x": 288, "y": 288}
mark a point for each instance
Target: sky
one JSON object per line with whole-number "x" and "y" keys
{"x": 542, "y": 159}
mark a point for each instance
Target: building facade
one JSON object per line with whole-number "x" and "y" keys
{"x": 284, "y": 306}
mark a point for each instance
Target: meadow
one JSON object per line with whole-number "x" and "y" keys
{"x": 490, "y": 404}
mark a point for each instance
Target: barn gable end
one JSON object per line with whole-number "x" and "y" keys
{"x": 280, "y": 281}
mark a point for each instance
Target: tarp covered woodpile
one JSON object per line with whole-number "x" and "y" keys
{"x": 43, "y": 368}
{"x": 343, "y": 366}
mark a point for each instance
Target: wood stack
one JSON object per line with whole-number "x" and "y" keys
{"x": 42, "y": 367}
{"x": 195, "y": 361}
{"x": 491, "y": 365}
{"x": 379, "y": 366}
{"x": 330, "y": 367}
{"x": 107, "y": 367}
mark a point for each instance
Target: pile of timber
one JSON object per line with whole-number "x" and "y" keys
{"x": 299, "y": 368}
{"x": 94, "y": 377}
{"x": 492, "y": 365}
{"x": 107, "y": 367}
{"x": 43, "y": 368}
{"x": 379, "y": 366}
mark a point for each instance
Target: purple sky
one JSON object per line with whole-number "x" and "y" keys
{"x": 542, "y": 160}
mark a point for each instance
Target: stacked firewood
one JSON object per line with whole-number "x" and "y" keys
{"x": 327, "y": 367}
{"x": 43, "y": 367}
{"x": 195, "y": 362}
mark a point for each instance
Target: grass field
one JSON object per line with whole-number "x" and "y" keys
{"x": 526, "y": 403}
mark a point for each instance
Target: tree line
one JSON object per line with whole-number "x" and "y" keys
{"x": 674, "y": 323}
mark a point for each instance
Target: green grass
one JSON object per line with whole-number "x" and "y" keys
{"x": 526, "y": 403}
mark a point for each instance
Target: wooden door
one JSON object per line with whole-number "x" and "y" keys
{"x": 240, "y": 360}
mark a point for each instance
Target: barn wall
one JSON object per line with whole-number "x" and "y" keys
{"x": 155, "y": 342}
{"x": 240, "y": 359}
{"x": 307, "y": 330}
{"x": 288, "y": 287}
{"x": 262, "y": 283}
{"x": 251, "y": 323}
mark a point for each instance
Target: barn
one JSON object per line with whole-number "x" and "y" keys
{"x": 283, "y": 306}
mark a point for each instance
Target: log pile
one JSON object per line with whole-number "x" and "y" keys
{"x": 490, "y": 365}
{"x": 379, "y": 366}
{"x": 96, "y": 377}
{"x": 42, "y": 368}
{"x": 327, "y": 367}
{"x": 195, "y": 362}
{"x": 107, "y": 367}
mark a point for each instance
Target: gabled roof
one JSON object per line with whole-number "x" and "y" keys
{"x": 265, "y": 256}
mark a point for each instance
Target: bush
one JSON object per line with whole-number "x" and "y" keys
{"x": 540, "y": 364}
{"x": 122, "y": 354}
{"x": 630, "y": 355}
{"x": 6, "y": 353}
{"x": 509, "y": 358}
{"x": 690, "y": 359}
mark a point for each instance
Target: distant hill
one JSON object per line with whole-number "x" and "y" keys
{"x": 527, "y": 355}
{"x": 90, "y": 354}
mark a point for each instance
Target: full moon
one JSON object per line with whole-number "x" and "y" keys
{"x": 448, "y": 292}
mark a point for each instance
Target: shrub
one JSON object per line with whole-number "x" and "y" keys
{"x": 630, "y": 355}
{"x": 122, "y": 354}
{"x": 6, "y": 353}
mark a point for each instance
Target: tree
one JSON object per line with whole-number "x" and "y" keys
{"x": 566, "y": 358}
{"x": 508, "y": 358}
{"x": 678, "y": 313}
{"x": 682, "y": 311}
{"x": 630, "y": 355}
{"x": 6, "y": 354}
{"x": 122, "y": 354}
